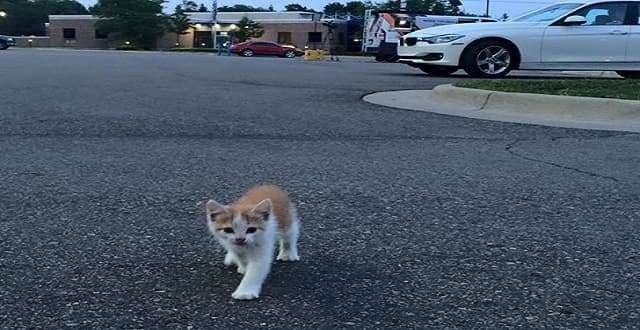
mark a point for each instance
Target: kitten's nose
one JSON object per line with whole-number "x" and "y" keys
{"x": 241, "y": 240}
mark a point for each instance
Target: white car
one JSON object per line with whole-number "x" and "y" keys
{"x": 602, "y": 35}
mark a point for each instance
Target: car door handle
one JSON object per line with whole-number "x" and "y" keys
{"x": 619, "y": 33}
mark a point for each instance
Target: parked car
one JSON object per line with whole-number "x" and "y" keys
{"x": 6, "y": 42}
{"x": 251, "y": 48}
{"x": 598, "y": 35}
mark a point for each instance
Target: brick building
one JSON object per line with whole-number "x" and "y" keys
{"x": 294, "y": 28}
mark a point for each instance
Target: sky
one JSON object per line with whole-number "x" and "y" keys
{"x": 497, "y": 7}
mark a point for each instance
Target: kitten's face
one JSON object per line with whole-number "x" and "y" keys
{"x": 240, "y": 228}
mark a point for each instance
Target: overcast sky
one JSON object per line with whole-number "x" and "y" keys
{"x": 498, "y": 7}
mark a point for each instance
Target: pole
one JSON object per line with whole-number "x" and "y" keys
{"x": 487, "y": 12}
{"x": 214, "y": 14}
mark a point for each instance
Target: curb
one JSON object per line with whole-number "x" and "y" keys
{"x": 562, "y": 107}
{"x": 536, "y": 109}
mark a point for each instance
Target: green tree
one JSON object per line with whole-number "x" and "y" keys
{"x": 334, "y": 8}
{"x": 187, "y": 6}
{"x": 137, "y": 21}
{"x": 247, "y": 29}
{"x": 203, "y": 8}
{"x": 241, "y": 8}
{"x": 296, "y": 7}
{"x": 433, "y": 7}
{"x": 27, "y": 17}
{"x": 179, "y": 23}
{"x": 355, "y": 8}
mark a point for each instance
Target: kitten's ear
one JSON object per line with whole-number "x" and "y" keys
{"x": 215, "y": 208}
{"x": 263, "y": 207}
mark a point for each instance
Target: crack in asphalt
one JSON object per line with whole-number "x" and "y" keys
{"x": 509, "y": 149}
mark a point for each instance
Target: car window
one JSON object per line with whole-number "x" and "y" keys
{"x": 604, "y": 14}
{"x": 548, "y": 14}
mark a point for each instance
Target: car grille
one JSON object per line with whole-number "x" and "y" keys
{"x": 411, "y": 41}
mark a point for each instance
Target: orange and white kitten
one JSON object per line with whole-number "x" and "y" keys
{"x": 248, "y": 230}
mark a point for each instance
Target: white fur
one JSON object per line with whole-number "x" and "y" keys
{"x": 254, "y": 259}
{"x": 288, "y": 240}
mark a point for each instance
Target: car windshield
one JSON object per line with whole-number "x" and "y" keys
{"x": 548, "y": 14}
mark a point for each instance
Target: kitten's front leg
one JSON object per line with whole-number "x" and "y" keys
{"x": 251, "y": 284}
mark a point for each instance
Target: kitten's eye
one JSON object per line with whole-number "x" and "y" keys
{"x": 228, "y": 230}
{"x": 251, "y": 230}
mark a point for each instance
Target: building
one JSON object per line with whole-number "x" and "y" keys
{"x": 302, "y": 29}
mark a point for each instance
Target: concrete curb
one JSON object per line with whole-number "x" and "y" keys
{"x": 548, "y": 110}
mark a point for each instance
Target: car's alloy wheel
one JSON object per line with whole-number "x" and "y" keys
{"x": 290, "y": 54}
{"x": 493, "y": 60}
{"x": 247, "y": 52}
{"x": 629, "y": 74}
{"x": 489, "y": 59}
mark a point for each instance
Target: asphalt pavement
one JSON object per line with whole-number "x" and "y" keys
{"x": 410, "y": 220}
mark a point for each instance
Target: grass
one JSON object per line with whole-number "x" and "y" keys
{"x": 605, "y": 88}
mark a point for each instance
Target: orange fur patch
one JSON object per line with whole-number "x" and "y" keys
{"x": 244, "y": 206}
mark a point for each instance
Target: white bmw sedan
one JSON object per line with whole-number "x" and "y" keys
{"x": 602, "y": 35}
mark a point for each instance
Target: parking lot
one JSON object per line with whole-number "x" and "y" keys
{"x": 410, "y": 219}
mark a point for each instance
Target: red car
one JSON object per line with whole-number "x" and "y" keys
{"x": 250, "y": 48}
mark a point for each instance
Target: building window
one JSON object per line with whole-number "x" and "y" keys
{"x": 69, "y": 33}
{"x": 101, "y": 35}
{"x": 284, "y": 38}
{"x": 341, "y": 39}
{"x": 315, "y": 36}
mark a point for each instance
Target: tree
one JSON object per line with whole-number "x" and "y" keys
{"x": 296, "y": 7}
{"x": 355, "y": 8}
{"x": 179, "y": 23}
{"x": 27, "y": 17}
{"x": 187, "y": 6}
{"x": 247, "y": 29}
{"x": 434, "y": 7}
{"x": 203, "y": 8}
{"x": 334, "y": 8}
{"x": 137, "y": 21}
{"x": 241, "y": 8}
{"x": 505, "y": 17}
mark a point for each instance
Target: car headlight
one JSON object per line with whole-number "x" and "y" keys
{"x": 441, "y": 39}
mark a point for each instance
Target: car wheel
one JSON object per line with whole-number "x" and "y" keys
{"x": 437, "y": 71}
{"x": 629, "y": 74}
{"x": 247, "y": 53}
{"x": 3, "y": 46}
{"x": 489, "y": 59}
{"x": 290, "y": 54}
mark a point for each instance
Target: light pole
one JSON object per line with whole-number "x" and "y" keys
{"x": 3, "y": 14}
{"x": 214, "y": 24}
{"x": 487, "y": 12}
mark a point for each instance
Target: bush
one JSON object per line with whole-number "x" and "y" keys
{"x": 126, "y": 47}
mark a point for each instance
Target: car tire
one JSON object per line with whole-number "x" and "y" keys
{"x": 247, "y": 53}
{"x": 438, "y": 71}
{"x": 290, "y": 54}
{"x": 3, "y": 46}
{"x": 489, "y": 59}
{"x": 629, "y": 74}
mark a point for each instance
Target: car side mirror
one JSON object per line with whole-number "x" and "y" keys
{"x": 574, "y": 20}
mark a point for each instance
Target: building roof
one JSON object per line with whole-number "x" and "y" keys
{"x": 260, "y": 17}
{"x": 71, "y": 17}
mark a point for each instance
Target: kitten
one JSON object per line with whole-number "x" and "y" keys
{"x": 248, "y": 230}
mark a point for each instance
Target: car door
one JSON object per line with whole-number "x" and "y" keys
{"x": 260, "y": 48}
{"x": 633, "y": 43}
{"x": 602, "y": 39}
{"x": 272, "y": 49}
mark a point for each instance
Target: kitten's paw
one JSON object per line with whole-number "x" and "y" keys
{"x": 228, "y": 260}
{"x": 244, "y": 295}
{"x": 287, "y": 257}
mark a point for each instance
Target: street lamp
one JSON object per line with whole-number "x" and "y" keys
{"x": 3, "y": 14}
